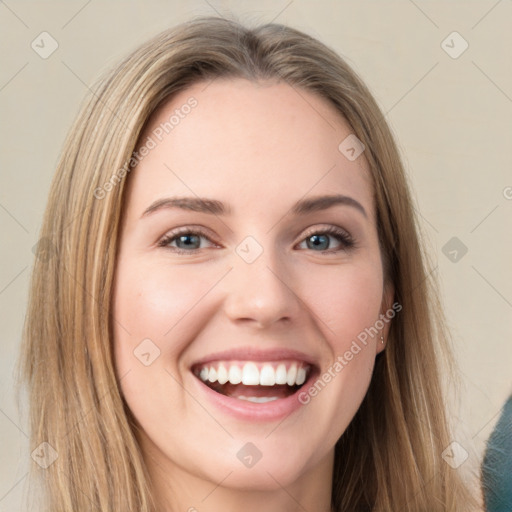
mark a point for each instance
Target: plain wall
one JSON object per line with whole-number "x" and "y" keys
{"x": 452, "y": 118}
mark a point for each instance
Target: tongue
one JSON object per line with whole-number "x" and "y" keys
{"x": 236, "y": 390}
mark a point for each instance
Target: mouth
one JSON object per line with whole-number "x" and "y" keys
{"x": 254, "y": 385}
{"x": 258, "y": 382}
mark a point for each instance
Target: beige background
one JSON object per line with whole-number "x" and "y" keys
{"x": 452, "y": 117}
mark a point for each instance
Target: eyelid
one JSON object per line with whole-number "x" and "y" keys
{"x": 327, "y": 229}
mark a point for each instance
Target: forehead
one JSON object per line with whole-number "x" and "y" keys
{"x": 248, "y": 143}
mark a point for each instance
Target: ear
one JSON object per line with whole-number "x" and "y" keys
{"x": 387, "y": 313}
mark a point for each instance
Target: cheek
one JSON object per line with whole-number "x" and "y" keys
{"x": 156, "y": 310}
{"x": 348, "y": 305}
{"x": 347, "y": 300}
{"x": 155, "y": 305}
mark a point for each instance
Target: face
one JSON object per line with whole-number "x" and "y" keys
{"x": 239, "y": 317}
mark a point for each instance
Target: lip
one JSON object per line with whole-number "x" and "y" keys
{"x": 249, "y": 411}
{"x": 254, "y": 354}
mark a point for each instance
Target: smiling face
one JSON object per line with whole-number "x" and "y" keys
{"x": 224, "y": 308}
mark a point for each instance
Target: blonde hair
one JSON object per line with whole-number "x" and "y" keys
{"x": 389, "y": 458}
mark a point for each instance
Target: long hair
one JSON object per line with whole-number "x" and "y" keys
{"x": 389, "y": 458}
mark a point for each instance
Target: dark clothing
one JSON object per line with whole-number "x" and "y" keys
{"x": 497, "y": 464}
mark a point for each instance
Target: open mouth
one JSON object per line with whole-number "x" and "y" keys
{"x": 257, "y": 382}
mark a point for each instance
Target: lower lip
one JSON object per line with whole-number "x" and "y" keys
{"x": 250, "y": 411}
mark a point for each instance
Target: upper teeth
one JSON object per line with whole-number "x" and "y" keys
{"x": 254, "y": 374}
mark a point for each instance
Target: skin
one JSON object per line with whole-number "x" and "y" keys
{"x": 258, "y": 147}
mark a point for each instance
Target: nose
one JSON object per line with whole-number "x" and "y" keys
{"x": 261, "y": 293}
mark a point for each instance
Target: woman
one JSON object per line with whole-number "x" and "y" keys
{"x": 236, "y": 310}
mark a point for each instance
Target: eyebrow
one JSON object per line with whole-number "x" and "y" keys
{"x": 214, "y": 207}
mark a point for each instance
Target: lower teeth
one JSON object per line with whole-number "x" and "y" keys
{"x": 258, "y": 399}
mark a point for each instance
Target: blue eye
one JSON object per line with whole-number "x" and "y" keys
{"x": 319, "y": 241}
{"x": 188, "y": 241}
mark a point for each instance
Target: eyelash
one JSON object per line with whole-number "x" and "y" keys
{"x": 346, "y": 240}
